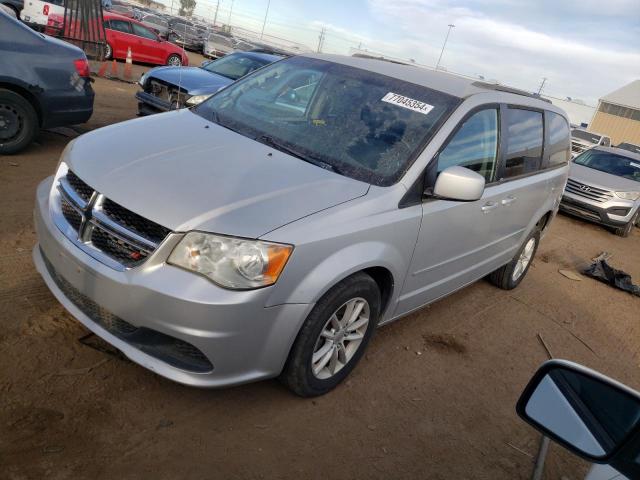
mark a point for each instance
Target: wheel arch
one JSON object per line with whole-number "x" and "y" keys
{"x": 26, "y": 94}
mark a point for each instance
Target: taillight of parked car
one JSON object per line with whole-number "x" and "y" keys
{"x": 82, "y": 67}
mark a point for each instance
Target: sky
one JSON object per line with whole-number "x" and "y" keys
{"x": 585, "y": 48}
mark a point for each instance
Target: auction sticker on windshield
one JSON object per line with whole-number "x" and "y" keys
{"x": 406, "y": 102}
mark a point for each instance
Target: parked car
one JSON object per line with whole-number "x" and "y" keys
{"x": 12, "y": 7}
{"x": 44, "y": 83}
{"x": 146, "y": 46}
{"x": 169, "y": 88}
{"x": 587, "y": 413}
{"x": 124, "y": 10}
{"x": 216, "y": 46}
{"x": 582, "y": 140}
{"x": 186, "y": 35}
{"x": 269, "y": 230}
{"x": 157, "y": 23}
{"x": 631, "y": 147}
{"x": 604, "y": 187}
{"x": 36, "y": 12}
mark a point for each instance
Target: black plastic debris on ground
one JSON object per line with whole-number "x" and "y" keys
{"x": 602, "y": 271}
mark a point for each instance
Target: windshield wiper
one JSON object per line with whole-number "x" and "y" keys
{"x": 270, "y": 141}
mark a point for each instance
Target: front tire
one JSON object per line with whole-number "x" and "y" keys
{"x": 174, "y": 60}
{"x": 18, "y": 122}
{"x": 510, "y": 275}
{"x": 334, "y": 337}
{"x": 108, "y": 52}
{"x": 625, "y": 230}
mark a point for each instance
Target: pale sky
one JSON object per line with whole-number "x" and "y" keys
{"x": 585, "y": 48}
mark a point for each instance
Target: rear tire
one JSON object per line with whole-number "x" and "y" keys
{"x": 18, "y": 122}
{"x": 304, "y": 372}
{"x": 108, "y": 52}
{"x": 625, "y": 230}
{"x": 174, "y": 60}
{"x": 510, "y": 275}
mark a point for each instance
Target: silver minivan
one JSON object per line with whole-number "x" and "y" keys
{"x": 269, "y": 230}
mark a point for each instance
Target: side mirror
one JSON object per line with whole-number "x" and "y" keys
{"x": 459, "y": 183}
{"x": 591, "y": 415}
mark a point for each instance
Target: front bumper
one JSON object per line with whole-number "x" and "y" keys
{"x": 613, "y": 213}
{"x": 242, "y": 340}
{"x": 149, "y": 104}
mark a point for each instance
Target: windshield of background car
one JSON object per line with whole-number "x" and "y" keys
{"x": 235, "y": 66}
{"x": 610, "y": 163}
{"x": 582, "y": 135}
{"x": 364, "y": 125}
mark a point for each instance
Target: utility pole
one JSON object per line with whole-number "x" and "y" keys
{"x": 265, "y": 19}
{"x": 451, "y": 25}
{"x": 321, "y": 38}
{"x": 230, "y": 10}
{"x": 544, "y": 80}
{"x": 215, "y": 18}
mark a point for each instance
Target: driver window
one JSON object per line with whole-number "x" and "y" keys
{"x": 474, "y": 145}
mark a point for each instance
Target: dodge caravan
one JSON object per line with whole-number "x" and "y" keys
{"x": 268, "y": 231}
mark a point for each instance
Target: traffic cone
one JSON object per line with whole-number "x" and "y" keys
{"x": 103, "y": 69}
{"x": 128, "y": 76}
{"x": 114, "y": 69}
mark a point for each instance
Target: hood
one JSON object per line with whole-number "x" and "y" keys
{"x": 192, "y": 79}
{"x": 603, "y": 180}
{"x": 187, "y": 173}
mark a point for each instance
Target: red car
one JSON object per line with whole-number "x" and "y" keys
{"x": 124, "y": 33}
{"x": 146, "y": 45}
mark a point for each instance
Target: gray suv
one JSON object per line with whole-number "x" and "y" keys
{"x": 604, "y": 187}
{"x": 269, "y": 230}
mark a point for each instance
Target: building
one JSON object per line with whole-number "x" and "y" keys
{"x": 618, "y": 115}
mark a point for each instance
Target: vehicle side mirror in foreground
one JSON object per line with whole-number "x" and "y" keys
{"x": 591, "y": 415}
{"x": 459, "y": 183}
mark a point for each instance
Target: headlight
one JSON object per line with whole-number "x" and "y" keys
{"x": 633, "y": 196}
{"x": 196, "y": 99}
{"x": 234, "y": 263}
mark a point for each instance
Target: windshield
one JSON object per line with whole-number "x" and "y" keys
{"x": 364, "y": 125}
{"x": 610, "y": 163}
{"x": 214, "y": 37}
{"x": 235, "y": 66}
{"x": 582, "y": 135}
{"x": 630, "y": 147}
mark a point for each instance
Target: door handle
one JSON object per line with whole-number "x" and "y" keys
{"x": 508, "y": 201}
{"x": 487, "y": 207}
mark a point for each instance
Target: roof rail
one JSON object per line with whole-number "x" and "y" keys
{"x": 502, "y": 88}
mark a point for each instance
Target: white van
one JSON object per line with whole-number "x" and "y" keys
{"x": 36, "y": 12}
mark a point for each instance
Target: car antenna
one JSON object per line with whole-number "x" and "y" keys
{"x": 184, "y": 54}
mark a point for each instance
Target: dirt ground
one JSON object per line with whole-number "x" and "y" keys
{"x": 434, "y": 397}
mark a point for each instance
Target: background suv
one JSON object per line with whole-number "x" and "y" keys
{"x": 604, "y": 187}
{"x": 269, "y": 230}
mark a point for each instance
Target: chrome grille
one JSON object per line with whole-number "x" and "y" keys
{"x": 103, "y": 228}
{"x": 577, "y": 147}
{"x": 587, "y": 191}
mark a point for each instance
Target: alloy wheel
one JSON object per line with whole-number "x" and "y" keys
{"x": 340, "y": 338}
{"x": 524, "y": 259}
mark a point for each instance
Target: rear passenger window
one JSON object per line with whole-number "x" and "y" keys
{"x": 524, "y": 142}
{"x": 559, "y": 139}
{"x": 474, "y": 145}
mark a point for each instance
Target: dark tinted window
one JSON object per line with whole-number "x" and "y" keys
{"x": 474, "y": 145}
{"x": 120, "y": 26}
{"x": 141, "y": 31}
{"x": 524, "y": 142}
{"x": 559, "y": 139}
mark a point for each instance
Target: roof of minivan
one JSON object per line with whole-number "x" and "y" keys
{"x": 445, "y": 82}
